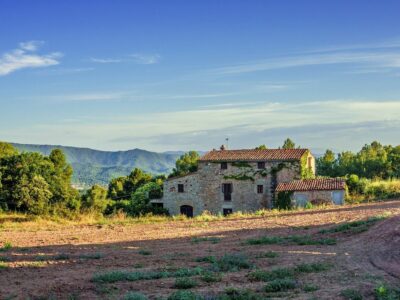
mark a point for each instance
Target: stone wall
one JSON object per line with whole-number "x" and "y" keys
{"x": 203, "y": 189}
{"x": 318, "y": 197}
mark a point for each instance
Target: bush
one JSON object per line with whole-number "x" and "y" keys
{"x": 184, "y": 283}
{"x": 280, "y": 285}
{"x": 211, "y": 277}
{"x": 284, "y": 200}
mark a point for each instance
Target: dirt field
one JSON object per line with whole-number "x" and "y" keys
{"x": 63, "y": 263}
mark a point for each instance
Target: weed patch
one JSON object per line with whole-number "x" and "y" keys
{"x": 350, "y": 294}
{"x": 207, "y": 259}
{"x": 115, "y": 276}
{"x": 212, "y": 239}
{"x": 353, "y": 227}
{"x": 134, "y": 296}
{"x": 238, "y": 294}
{"x": 144, "y": 252}
{"x": 312, "y": 268}
{"x": 291, "y": 240}
{"x": 91, "y": 256}
{"x": 383, "y": 292}
{"x": 231, "y": 263}
{"x": 185, "y": 283}
{"x": 280, "y": 285}
{"x": 211, "y": 277}
{"x": 310, "y": 288}
{"x": 279, "y": 273}
{"x": 7, "y": 246}
{"x": 184, "y": 295}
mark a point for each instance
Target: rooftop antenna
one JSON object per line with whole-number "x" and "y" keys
{"x": 227, "y": 141}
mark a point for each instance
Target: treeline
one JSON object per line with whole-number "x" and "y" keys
{"x": 373, "y": 161}
{"x": 41, "y": 185}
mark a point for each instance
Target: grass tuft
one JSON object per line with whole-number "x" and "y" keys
{"x": 280, "y": 285}
{"x": 351, "y": 294}
{"x": 310, "y": 288}
{"x": 231, "y": 263}
{"x": 211, "y": 277}
{"x": 185, "y": 283}
{"x": 278, "y": 273}
{"x": 134, "y": 296}
{"x": 96, "y": 255}
{"x": 184, "y": 295}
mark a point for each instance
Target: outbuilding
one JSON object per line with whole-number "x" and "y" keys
{"x": 315, "y": 191}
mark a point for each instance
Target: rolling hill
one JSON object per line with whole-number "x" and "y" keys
{"x": 98, "y": 167}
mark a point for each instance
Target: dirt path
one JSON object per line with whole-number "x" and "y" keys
{"x": 62, "y": 262}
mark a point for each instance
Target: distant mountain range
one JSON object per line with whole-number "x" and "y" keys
{"x": 99, "y": 167}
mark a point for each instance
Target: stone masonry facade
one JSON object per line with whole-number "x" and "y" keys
{"x": 227, "y": 181}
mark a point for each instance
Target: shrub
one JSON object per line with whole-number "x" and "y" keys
{"x": 184, "y": 283}
{"x": 280, "y": 285}
{"x": 284, "y": 200}
{"x": 350, "y": 294}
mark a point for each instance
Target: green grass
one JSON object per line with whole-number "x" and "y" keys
{"x": 384, "y": 292}
{"x": 351, "y": 294}
{"x": 210, "y": 277}
{"x": 353, "y": 227}
{"x": 4, "y": 259}
{"x": 184, "y": 295}
{"x": 312, "y": 268}
{"x": 231, "y": 263}
{"x": 207, "y": 259}
{"x": 278, "y": 273}
{"x": 96, "y": 255}
{"x": 310, "y": 288}
{"x": 212, "y": 239}
{"x": 117, "y": 275}
{"x": 61, "y": 256}
{"x": 3, "y": 265}
{"x": 7, "y": 246}
{"x": 239, "y": 294}
{"x": 291, "y": 240}
{"x": 282, "y": 273}
{"x": 185, "y": 283}
{"x": 144, "y": 252}
{"x": 270, "y": 254}
{"x": 134, "y": 296}
{"x": 280, "y": 285}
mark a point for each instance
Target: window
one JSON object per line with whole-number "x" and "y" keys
{"x": 227, "y": 211}
{"x": 261, "y": 165}
{"x": 260, "y": 189}
{"x": 180, "y": 188}
{"x": 224, "y": 165}
{"x": 227, "y": 191}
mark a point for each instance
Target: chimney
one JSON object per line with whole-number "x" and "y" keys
{"x": 222, "y": 148}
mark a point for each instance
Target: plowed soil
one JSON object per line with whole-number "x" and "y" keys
{"x": 60, "y": 263}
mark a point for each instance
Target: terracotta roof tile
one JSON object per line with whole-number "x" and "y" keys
{"x": 253, "y": 155}
{"x": 312, "y": 185}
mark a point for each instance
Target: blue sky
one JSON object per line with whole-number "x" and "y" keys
{"x": 180, "y": 75}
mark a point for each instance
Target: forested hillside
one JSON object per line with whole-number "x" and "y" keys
{"x": 98, "y": 167}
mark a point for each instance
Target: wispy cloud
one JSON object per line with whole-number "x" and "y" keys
{"x": 378, "y": 59}
{"x": 137, "y": 58}
{"x": 146, "y": 59}
{"x": 88, "y": 97}
{"x": 25, "y": 56}
{"x": 105, "y": 60}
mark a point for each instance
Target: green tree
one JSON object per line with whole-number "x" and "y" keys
{"x": 326, "y": 165}
{"x": 186, "y": 164}
{"x": 32, "y": 194}
{"x": 261, "y": 147}
{"x": 95, "y": 199}
{"x": 7, "y": 149}
{"x": 288, "y": 144}
{"x": 140, "y": 200}
{"x": 116, "y": 188}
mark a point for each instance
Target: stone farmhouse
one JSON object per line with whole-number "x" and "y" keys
{"x": 242, "y": 180}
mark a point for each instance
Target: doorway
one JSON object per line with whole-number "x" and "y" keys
{"x": 187, "y": 210}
